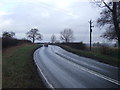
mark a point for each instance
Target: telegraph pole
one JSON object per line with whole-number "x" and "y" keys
{"x": 90, "y": 22}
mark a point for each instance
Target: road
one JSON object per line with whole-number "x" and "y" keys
{"x": 62, "y": 69}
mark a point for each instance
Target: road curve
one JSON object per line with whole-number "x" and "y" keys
{"x": 62, "y": 69}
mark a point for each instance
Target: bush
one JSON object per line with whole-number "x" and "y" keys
{"x": 7, "y": 42}
{"x": 80, "y": 45}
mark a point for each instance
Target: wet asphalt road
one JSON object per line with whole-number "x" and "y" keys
{"x": 62, "y": 69}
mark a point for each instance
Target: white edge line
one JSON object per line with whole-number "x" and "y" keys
{"x": 90, "y": 71}
{"x": 50, "y": 85}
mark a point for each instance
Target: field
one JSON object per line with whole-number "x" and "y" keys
{"x": 18, "y": 68}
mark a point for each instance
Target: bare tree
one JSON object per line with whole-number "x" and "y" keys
{"x": 110, "y": 17}
{"x": 34, "y": 34}
{"x": 53, "y": 38}
{"x": 8, "y": 34}
{"x": 66, "y": 35}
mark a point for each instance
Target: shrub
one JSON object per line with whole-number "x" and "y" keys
{"x": 80, "y": 45}
{"x": 7, "y": 42}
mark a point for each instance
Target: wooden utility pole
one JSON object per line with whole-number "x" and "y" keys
{"x": 90, "y": 22}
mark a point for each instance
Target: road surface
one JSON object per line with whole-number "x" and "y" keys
{"x": 62, "y": 69}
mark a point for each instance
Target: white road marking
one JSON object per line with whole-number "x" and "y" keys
{"x": 50, "y": 85}
{"x": 88, "y": 70}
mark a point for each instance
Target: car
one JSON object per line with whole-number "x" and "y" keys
{"x": 45, "y": 45}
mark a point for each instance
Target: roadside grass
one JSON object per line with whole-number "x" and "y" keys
{"x": 96, "y": 56}
{"x": 18, "y": 68}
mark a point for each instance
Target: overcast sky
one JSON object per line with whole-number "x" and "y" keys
{"x": 50, "y": 17}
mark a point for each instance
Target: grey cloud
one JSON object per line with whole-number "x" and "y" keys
{"x": 50, "y": 20}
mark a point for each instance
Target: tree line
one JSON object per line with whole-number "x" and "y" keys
{"x": 8, "y": 38}
{"x": 66, "y": 35}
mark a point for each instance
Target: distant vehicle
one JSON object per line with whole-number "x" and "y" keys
{"x": 45, "y": 45}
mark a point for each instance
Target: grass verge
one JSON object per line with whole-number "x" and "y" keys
{"x": 96, "y": 56}
{"x": 18, "y": 68}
